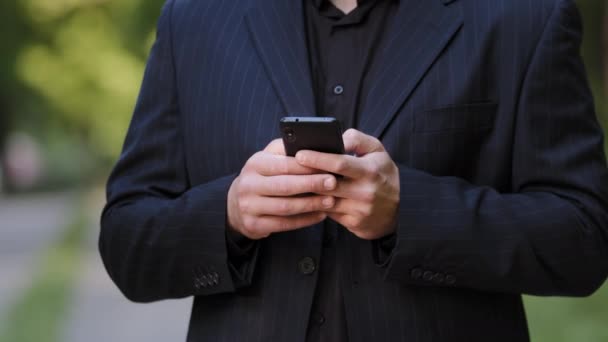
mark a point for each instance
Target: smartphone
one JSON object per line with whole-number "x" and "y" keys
{"x": 322, "y": 134}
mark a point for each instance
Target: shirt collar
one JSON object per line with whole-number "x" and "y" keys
{"x": 318, "y": 3}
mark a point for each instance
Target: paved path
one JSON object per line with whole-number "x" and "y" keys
{"x": 28, "y": 226}
{"x": 100, "y": 313}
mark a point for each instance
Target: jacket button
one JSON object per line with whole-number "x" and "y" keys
{"x": 428, "y": 276}
{"x": 416, "y": 273}
{"x": 450, "y": 279}
{"x": 198, "y": 283}
{"x": 307, "y": 266}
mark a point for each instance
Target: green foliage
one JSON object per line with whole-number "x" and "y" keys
{"x": 568, "y": 319}
{"x": 70, "y": 70}
{"x": 74, "y": 66}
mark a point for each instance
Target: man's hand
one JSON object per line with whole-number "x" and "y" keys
{"x": 263, "y": 198}
{"x": 367, "y": 198}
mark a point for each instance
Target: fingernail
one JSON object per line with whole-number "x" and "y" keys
{"x": 329, "y": 183}
{"x": 328, "y": 202}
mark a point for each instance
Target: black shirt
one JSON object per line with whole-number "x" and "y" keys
{"x": 341, "y": 48}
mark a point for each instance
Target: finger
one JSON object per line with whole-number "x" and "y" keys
{"x": 350, "y": 207}
{"x": 360, "y": 143}
{"x": 353, "y": 189}
{"x": 276, "y": 147}
{"x": 341, "y": 164}
{"x": 290, "y": 185}
{"x": 286, "y": 206}
{"x": 268, "y": 164}
{"x": 350, "y": 222}
{"x": 276, "y": 224}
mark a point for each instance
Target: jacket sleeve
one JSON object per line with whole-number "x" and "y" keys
{"x": 161, "y": 237}
{"x": 548, "y": 236}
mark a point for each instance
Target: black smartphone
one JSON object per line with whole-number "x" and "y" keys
{"x": 322, "y": 134}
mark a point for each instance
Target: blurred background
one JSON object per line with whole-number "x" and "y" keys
{"x": 69, "y": 76}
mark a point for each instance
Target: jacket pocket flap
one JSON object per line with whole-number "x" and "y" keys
{"x": 461, "y": 117}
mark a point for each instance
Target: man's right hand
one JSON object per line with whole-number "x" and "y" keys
{"x": 263, "y": 199}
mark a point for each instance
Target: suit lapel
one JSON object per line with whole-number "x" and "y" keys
{"x": 419, "y": 32}
{"x": 277, "y": 29}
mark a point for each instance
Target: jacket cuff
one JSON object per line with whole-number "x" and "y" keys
{"x": 383, "y": 250}
{"x": 242, "y": 257}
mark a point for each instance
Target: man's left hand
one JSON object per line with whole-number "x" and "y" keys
{"x": 367, "y": 197}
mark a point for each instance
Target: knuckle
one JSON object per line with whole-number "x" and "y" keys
{"x": 283, "y": 224}
{"x": 253, "y": 161}
{"x": 317, "y": 184}
{"x": 356, "y": 224}
{"x": 374, "y": 170}
{"x": 284, "y": 207}
{"x": 311, "y": 160}
{"x": 341, "y": 165}
{"x": 250, "y": 225}
{"x": 279, "y": 167}
{"x": 281, "y": 187}
{"x": 283, "y": 166}
{"x": 310, "y": 184}
{"x": 368, "y": 195}
{"x": 274, "y": 169}
{"x": 244, "y": 205}
{"x": 245, "y": 184}
{"x": 382, "y": 179}
{"x": 366, "y": 211}
{"x": 315, "y": 205}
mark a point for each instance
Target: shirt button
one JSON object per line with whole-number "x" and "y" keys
{"x": 319, "y": 318}
{"x": 338, "y": 90}
{"x": 307, "y": 266}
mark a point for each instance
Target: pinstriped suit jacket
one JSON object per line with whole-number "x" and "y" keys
{"x": 483, "y": 105}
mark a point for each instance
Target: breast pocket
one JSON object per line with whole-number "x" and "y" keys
{"x": 448, "y": 141}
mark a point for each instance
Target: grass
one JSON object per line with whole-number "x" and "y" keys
{"x": 40, "y": 313}
{"x": 569, "y": 319}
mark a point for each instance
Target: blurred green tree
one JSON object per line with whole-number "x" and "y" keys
{"x": 595, "y": 21}
{"x": 70, "y": 71}
{"x": 69, "y": 75}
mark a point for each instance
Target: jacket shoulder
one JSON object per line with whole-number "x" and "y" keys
{"x": 512, "y": 14}
{"x": 514, "y": 20}
{"x": 200, "y": 7}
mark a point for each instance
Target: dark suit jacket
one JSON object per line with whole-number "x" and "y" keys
{"x": 483, "y": 105}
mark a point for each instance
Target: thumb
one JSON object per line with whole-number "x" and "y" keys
{"x": 360, "y": 143}
{"x": 276, "y": 147}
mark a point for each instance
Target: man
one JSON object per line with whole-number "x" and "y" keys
{"x": 475, "y": 170}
